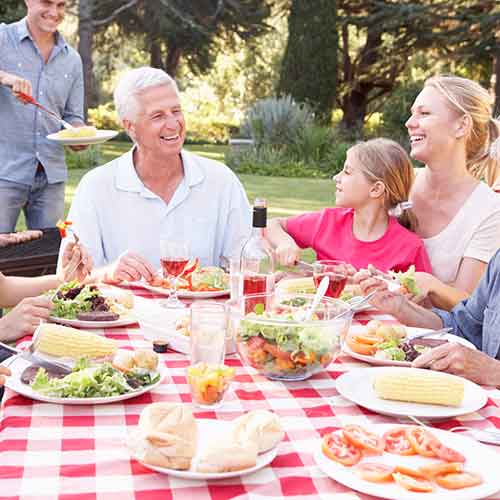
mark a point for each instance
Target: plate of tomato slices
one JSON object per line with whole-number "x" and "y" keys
{"x": 405, "y": 461}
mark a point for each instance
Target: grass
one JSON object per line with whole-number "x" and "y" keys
{"x": 285, "y": 196}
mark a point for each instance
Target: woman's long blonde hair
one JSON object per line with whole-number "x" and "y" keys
{"x": 471, "y": 99}
{"x": 386, "y": 161}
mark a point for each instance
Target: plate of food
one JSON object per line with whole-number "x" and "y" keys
{"x": 75, "y": 367}
{"x": 170, "y": 440}
{"x": 82, "y": 136}
{"x": 194, "y": 282}
{"x": 385, "y": 344}
{"x": 91, "y": 306}
{"x": 408, "y": 462}
{"x": 399, "y": 392}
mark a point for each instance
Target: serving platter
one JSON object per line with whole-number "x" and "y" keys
{"x": 101, "y": 136}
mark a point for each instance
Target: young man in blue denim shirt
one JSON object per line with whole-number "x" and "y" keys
{"x": 35, "y": 60}
{"x": 476, "y": 319}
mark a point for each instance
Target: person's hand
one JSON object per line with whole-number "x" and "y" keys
{"x": 78, "y": 148}
{"x": 287, "y": 254}
{"x": 458, "y": 359}
{"x": 76, "y": 262}
{"x": 130, "y": 267}
{"x": 4, "y": 371}
{"x": 25, "y": 317}
{"x": 17, "y": 84}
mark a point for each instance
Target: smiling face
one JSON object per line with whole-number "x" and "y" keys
{"x": 434, "y": 126}
{"x": 354, "y": 190}
{"x": 45, "y": 15}
{"x": 158, "y": 127}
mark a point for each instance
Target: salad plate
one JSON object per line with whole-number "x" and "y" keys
{"x": 411, "y": 332}
{"x": 123, "y": 320}
{"x": 101, "y": 136}
{"x": 17, "y": 365}
{"x": 182, "y": 294}
{"x": 357, "y": 386}
{"x": 479, "y": 459}
{"x": 212, "y": 430}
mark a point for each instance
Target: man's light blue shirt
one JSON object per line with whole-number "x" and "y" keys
{"x": 57, "y": 85}
{"x": 477, "y": 318}
{"x": 113, "y": 211}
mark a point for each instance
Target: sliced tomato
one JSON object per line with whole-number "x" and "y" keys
{"x": 445, "y": 453}
{"x": 408, "y": 471}
{"x": 189, "y": 268}
{"x": 375, "y": 473}
{"x": 336, "y": 448}
{"x": 422, "y": 440}
{"x": 359, "y": 347}
{"x": 275, "y": 351}
{"x": 396, "y": 441}
{"x": 363, "y": 439}
{"x": 458, "y": 480}
{"x": 412, "y": 483}
{"x": 255, "y": 342}
{"x": 438, "y": 468}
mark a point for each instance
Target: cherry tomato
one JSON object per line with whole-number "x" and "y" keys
{"x": 458, "y": 480}
{"x": 375, "y": 473}
{"x": 438, "y": 468}
{"x": 445, "y": 453}
{"x": 359, "y": 347}
{"x": 412, "y": 483}
{"x": 363, "y": 439}
{"x": 396, "y": 441}
{"x": 336, "y": 448}
{"x": 422, "y": 441}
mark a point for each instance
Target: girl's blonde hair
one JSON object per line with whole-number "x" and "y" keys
{"x": 471, "y": 99}
{"x": 386, "y": 161}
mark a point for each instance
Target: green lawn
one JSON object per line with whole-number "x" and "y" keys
{"x": 286, "y": 196}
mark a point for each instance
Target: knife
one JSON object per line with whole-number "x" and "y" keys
{"x": 44, "y": 363}
{"x": 428, "y": 333}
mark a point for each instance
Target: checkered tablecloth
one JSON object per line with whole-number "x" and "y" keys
{"x": 50, "y": 451}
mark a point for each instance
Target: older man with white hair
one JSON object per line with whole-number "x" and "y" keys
{"x": 157, "y": 190}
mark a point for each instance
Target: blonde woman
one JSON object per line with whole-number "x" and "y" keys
{"x": 376, "y": 179}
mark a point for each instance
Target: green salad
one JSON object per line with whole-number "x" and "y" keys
{"x": 72, "y": 298}
{"x": 210, "y": 277}
{"x": 93, "y": 381}
{"x": 407, "y": 280}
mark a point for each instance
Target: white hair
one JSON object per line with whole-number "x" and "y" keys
{"x": 132, "y": 83}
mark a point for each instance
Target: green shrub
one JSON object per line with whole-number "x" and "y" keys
{"x": 88, "y": 158}
{"x": 313, "y": 143}
{"x": 276, "y": 121}
{"x": 104, "y": 117}
{"x": 201, "y": 130}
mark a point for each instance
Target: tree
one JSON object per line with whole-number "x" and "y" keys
{"x": 12, "y": 10}
{"x": 309, "y": 70}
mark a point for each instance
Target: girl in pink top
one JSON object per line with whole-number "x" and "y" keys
{"x": 375, "y": 182}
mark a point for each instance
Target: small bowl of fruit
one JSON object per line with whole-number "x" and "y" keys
{"x": 272, "y": 336}
{"x": 209, "y": 383}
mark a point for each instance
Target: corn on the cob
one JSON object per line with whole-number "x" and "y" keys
{"x": 58, "y": 340}
{"x": 297, "y": 285}
{"x": 420, "y": 387}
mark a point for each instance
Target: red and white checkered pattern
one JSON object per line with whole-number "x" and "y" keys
{"x": 50, "y": 451}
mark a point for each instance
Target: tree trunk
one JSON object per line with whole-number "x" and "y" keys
{"x": 155, "y": 52}
{"x": 496, "y": 64}
{"x": 354, "y": 108}
{"x": 173, "y": 59}
{"x": 85, "y": 40}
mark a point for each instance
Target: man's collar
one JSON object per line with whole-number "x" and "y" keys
{"x": 23, "y": 32}
{"x": 128, "y": 180}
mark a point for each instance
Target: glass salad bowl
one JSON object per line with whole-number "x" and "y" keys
{"x": 275, "y": 340}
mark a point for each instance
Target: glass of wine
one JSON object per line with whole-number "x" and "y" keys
{"x": 173, "y": 259}
{"x": 336, "y": 270}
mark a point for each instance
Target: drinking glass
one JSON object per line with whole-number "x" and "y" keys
{"x": 173, "y": 259}
{"x": 207, "y": 376}
{"x": 336, "y": 270}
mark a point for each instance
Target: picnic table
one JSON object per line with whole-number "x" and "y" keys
{"x": 63, "y": 452}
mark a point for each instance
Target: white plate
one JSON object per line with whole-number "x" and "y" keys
{"x": 123, "y": 320}
{"x": 357, "y": 386}
{"x": 182, "y": 294}
{"x": 212, "y": 430}
{"x": 17, "y": 366}
{"x": 158, "y": 323}
{"x": 411, "y": 332}
{"x": 480, "y": 459}
{"x": 102, "y": 136}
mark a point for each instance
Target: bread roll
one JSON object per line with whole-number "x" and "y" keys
{"x": 227, "y": 456}
{"x": 167, "y": 436}
{"x": 259, "y": 426}
{"x": 123, "y": 360}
